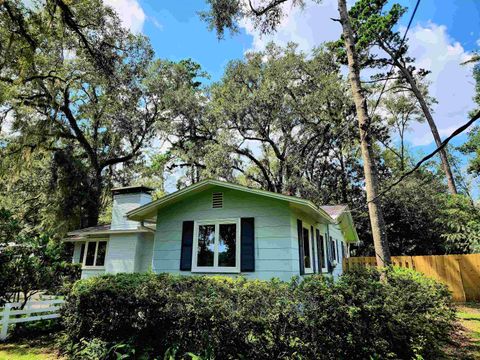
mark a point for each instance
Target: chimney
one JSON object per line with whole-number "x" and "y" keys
{"x": 126, "y": 199}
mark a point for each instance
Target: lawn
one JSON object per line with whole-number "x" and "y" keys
{"x": 469, "y": 316}
{"x": 39, "y": 349}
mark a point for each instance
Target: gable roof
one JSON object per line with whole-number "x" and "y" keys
{"x": 148, "y": 212}
{"x": 334, "y": 210}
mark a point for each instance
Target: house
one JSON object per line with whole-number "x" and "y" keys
{"x": 216, "y": 227}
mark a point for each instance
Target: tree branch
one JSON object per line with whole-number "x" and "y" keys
{"x": 424, "y": 159}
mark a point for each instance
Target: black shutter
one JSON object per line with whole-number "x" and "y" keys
{"x": 301, "y": 254}
{"x": 247, "y": 244}
{"x": 312, "y": 237}
{"x": 187, "y": 245}
{"x": 319, "y": 250}
{"x": 329, "y": 254}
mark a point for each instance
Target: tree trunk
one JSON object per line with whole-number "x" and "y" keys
{"x": 428, "y": 115}
{"x": 380, "y": 242}
{"x": 94, "y": 202}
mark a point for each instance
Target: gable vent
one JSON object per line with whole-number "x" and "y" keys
{"x": 217, "y": 200}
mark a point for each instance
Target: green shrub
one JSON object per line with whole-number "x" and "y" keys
{"x": 357, "y": 317}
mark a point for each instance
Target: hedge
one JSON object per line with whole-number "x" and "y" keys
{"x": 357, "y": 317}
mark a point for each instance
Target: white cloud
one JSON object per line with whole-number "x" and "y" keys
{"x": 451, "y": 83}
{"x": 308, "y": 27}
{"x": 156, "y": 23}
{"x": 130, "y": 12}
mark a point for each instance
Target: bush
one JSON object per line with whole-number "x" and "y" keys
{"x": 358, "y": 317}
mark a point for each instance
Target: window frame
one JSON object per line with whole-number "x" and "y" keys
{"x": 323, "y": 238}
{"x": 335, "y": 248}
{"x": 215, "y": 268}
{"x": 94, "y": 266}
{"x": 308, "y": 270}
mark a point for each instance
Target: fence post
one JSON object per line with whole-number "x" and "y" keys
{"x": 5, "y": 318}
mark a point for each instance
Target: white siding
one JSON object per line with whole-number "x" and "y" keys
{"x": 273, "y": 242}
{"x": 121, "y": 253}
{"x": 336, "y": 233}
{"x": 77, "y": 247}
{"x": 123, "y": 203}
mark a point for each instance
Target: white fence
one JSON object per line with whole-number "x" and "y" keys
{"x": 34, "y": 311}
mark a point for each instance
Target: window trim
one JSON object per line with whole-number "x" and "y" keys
{"x": 94, "y": 267}
{"x": 335, "y": 248}
{"x": 308, "y": 270}
{"x": 216, "y": 269}
{"x": 323, "y": 237}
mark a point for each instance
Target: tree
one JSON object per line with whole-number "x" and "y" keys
{"x": 461, "y": 222}
{"x": 80, "y": 86}
{"x": 296, "y": 141}
{"x": 45, "y": 190}
{"x": 223, "y": 15}
{"x": 29, "y": 262}
{"x": 401, "y": 110}
{"x": 409, "y": 210}
{"x": 374, "y": 27}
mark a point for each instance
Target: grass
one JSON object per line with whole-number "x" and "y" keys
{"x": 465, "y": 343}
{"x": 38, "y": 349}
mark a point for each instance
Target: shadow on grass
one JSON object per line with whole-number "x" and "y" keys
{"x": 29, "y": 349}
{"x": 466, "y": 336}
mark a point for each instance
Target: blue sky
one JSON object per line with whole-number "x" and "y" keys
{"x": 443, "y": 34}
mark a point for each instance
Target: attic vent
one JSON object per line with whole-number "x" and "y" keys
{"x": 217, "y": 200}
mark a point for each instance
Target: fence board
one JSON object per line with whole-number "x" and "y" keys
{"x": 461, "y": 273}
{"x": 34, "y": 318}
{"x": 44, "y": 309}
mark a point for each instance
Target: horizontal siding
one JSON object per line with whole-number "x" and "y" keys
{"x": 336, "y": 233}
{"x": 273, "y": 243}
{"x": 121, "y": 253}
{"x": 274, "y": 254}
{"x": 273, "y": 265}
{"x": 86, "y": 273}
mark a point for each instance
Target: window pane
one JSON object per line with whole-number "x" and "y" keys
{"x": 306, "y": 248}
{"x": 90, "y": 253}
{"x": 333, "y": 249}
{"x": 227, "y": 245}
{"x": 82, "y": 252}
{"x": 102, "y": 249}
{"x": 206, "y": 243}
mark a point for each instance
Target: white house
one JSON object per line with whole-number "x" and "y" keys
{"x": 216, "y": 227}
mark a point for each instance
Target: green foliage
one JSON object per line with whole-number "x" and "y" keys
{"x": 84, "y": 93}
{"x": 460, "y": 219}
{"x": 225, "y": 14}
{"x": 472, "y": 147}
{"x": 358, "y": 317}
{"x": 293, "y": 108}
{"x": 30, "y": 262}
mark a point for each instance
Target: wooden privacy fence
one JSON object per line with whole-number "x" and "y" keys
{"x": 461, "y": 273}
{"x": 33, "y": 311}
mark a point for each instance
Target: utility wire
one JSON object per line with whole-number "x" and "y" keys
{"x": 398, "y": 50}
{"x": 444, "y": 143}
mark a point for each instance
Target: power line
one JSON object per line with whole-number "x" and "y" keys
{"x": 395, "y": 56}
{"x": 444, "y": 143}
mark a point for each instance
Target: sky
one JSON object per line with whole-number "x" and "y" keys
{"x": 442, "y": 36}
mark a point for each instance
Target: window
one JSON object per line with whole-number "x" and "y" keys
{"x": 323, "y": 249}
{"x": 334, "y": 249}
{"x": 95, "y": 254}
{"x": 307, "y": 251}
{"x": 82, "y": 252}
{"x": 216, "y": 246}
